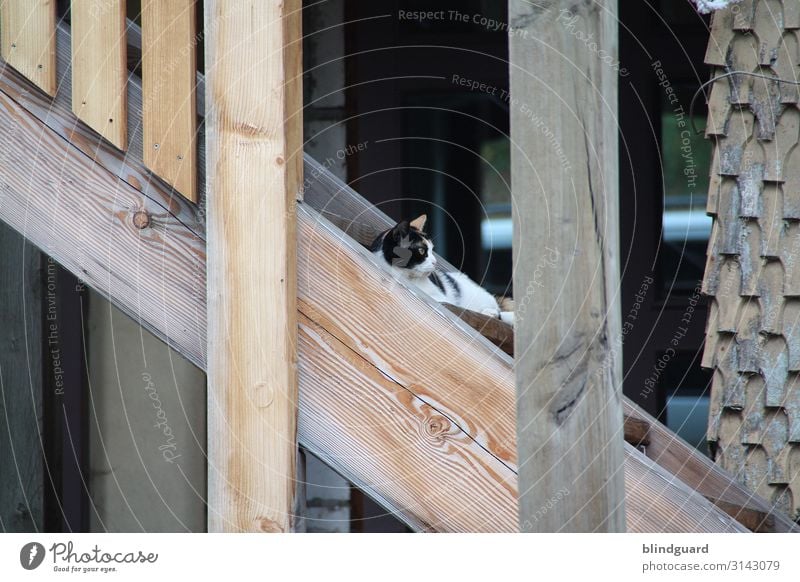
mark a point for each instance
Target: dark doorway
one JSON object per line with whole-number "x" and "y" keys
{"x": 664, "y": 184}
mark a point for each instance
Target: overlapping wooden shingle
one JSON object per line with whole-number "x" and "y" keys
{"x": 752, "y": 273}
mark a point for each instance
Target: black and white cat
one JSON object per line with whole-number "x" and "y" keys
{"x": 409, "y": 252}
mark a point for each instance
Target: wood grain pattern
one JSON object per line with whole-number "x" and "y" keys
{"x": 28, "y": 40}
{"x": 92, "y": 233}
{"x": 57, "y": 115}
{"x": 99, "y": 70}
{"x": 499, "y": 333}
{"x": 169, "y": 69}
{"x": 663, "y": 499}
{"x": 565, "y": 196}
{"x": 419, "y": 461}
{"x": 254, "y": 171}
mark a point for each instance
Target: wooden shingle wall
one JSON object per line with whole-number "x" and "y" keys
{"x": 753, "y": 274}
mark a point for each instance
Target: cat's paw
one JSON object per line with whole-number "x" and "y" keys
{"x": 491, "y": 312}
{"x": 507, "y": 316}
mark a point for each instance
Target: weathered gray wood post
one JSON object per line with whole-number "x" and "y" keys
{"x": 566, "y": 265}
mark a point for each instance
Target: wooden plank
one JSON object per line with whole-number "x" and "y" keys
{"x": 99, "y": 246}
{"x": 568, "y": 324}
{"x": 169, "y": 68}
{"x": 99, "y": 71}
{"x": 701, "y": 474}
{"x": 499, "y": 333}
{"x": 28, "y": 40}
{"x": 22, "y": 474}
{"x": 420, "y": 461}
{"x": 135, "y": 65}
{"x": 146, "y": 290}
{"x": 254, "y": 172}
{"x": 637, "y": 431}
{"x": 659, "y": 502}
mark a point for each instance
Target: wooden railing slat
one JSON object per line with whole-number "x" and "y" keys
{"x": 99, "y": 68}
{"x": 169, "y": 66}
{"x": 28, "y": 40}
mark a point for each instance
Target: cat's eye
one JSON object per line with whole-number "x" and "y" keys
{"x": 421, "y": 251}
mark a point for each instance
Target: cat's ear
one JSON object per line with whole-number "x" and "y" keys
{"x": 419, "y": 222}
{"x": 400, "y": 230}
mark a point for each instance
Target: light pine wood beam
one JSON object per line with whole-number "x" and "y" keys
{"x": 169, "y": 73}
{"x": 99, "y": 69}
{"x": 28, "y": 29}
{"x": 254, "y": 160}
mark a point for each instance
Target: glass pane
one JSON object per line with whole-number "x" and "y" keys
{"x": 686, "y": 387}
{"x": 495, "y": 191}
{"x": 686, "y": 158}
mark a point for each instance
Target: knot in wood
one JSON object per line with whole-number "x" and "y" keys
{"x": 263, "y": 394}
{"x": 141, "y": 219}
{"x": 266, "y": 525}
{"x": 436, "y": 427}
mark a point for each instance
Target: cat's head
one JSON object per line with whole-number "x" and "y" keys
{"x": 405, "y": 246}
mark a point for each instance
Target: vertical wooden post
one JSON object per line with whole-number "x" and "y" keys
{"x": 254, "y": 168}
{"x": 566, "y": 281}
